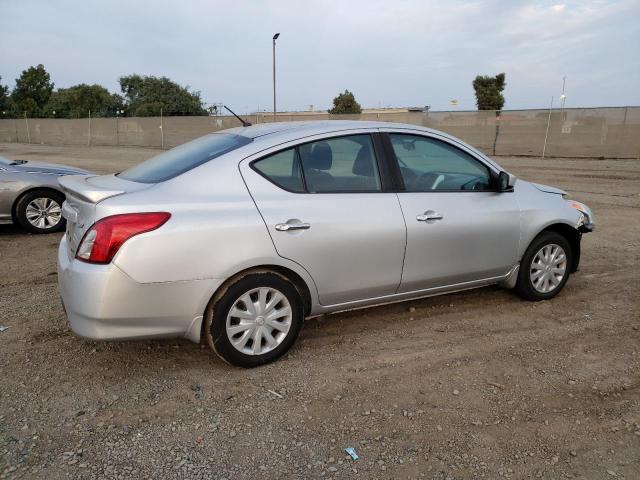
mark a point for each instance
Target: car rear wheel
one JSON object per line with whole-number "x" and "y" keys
{"x": 256, "y": 320}
{"x": 40, "y": 211}
{"x": 545, "y": 267}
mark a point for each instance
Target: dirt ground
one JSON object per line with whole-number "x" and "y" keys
{"x": 471, "y": 385}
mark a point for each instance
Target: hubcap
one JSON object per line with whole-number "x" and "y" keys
{"x": 44, "y": 213}
{"x": 259, "y": 321}
{"x": 548, "y": 268}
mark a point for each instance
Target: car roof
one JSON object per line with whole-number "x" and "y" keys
{"x": 314, "y": 126}
{"x": 279, "y": 132}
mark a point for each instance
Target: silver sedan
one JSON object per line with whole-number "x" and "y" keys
{"x": 30, "y": 194}
{"x": 236, "y": 237}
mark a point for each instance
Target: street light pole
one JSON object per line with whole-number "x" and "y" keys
{"x": 275, "y": 37}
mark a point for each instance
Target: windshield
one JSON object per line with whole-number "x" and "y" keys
{"x": 178, "y": 160}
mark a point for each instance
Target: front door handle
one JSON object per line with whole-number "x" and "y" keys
{"x": 286, "y": 227}
{"x": 429, "y": 216}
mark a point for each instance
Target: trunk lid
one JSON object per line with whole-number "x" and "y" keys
{"x": 44, "y": 167}
{"x": 82, "y": 194}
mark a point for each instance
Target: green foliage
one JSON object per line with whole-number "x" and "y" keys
{"x": 489, "y": 91}
{"x": 77, "y": 101}
{"x": 345, "y": 103}
{"x": 145, "y": 96}
{"x": 5, "y": 101}
{"x": 32, "y": 91}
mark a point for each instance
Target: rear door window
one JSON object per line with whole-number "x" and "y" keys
{"x": 341, "y": 164}
{"x": 283, "y": 169}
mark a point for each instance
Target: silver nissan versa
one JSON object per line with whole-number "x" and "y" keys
{"x": 236, "y": 237}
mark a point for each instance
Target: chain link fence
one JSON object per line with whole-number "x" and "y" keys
{"x": 611, "y": 132}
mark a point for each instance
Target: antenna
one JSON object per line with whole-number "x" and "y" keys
{"x": 244, "y": 122}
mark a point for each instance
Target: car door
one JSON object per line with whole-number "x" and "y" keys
{"x": 325, "y": 206}
{"x": 459, "y": 228}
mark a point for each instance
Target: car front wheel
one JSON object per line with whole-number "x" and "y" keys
{"x": 40, "y": 211}
{"x": 256, "y": 320}
{"x": 545, "y": 267}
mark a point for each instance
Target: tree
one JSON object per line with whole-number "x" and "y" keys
{"x": 77, "y": 101}
{"x": 145, "y": 96}
{"x": 32, "y": 91}
{"x": 345, "y": 103}
{"x": 489, "y": 91}
{"x": 5, "y": 106}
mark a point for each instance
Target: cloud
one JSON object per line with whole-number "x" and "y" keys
{"x": 400, "y": 53}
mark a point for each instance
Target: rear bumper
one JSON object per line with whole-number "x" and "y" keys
{"x": 103, "y": 303}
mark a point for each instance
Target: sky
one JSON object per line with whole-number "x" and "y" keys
{"x": 391, "y": 53}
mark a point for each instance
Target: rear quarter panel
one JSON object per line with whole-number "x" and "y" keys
{"x": 214, "y": 232}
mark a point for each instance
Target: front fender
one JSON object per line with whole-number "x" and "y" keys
{"x": 543, "y": 211}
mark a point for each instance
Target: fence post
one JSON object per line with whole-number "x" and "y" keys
{"x": 161, "y": 130}
{"x": 27, "y": 122}
{"x": 621, "y": 154}
{"x": 495, "y": 138}
{"x": 117, "y": 137}
{"x": 89, "y": 139}
{"x": 15, "y": 127}
{"x": 546, "y": 135}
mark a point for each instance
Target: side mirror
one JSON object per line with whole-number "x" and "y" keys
{"x": 505, "y": 182}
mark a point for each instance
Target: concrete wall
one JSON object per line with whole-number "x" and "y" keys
{"x": 590, "y": 132}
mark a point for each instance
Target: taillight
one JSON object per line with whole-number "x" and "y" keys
{"x": 103, "y": 240}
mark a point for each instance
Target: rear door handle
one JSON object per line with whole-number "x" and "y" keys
{"x": 429, "y": 215}
{"x": 286, "y": 227}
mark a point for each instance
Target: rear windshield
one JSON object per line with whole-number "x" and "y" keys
{"x": 189, "y": 155}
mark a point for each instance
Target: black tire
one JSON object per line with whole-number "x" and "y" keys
{"x": 27, "y": 198}
{"x": 524, "y": 286}
{"x": 219, "y": 307}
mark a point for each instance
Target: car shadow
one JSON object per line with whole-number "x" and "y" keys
{"x": 11, "y": 230}
{"x": 183, "y": 355}
{"x": 418, "y": 308}
{"x": 161, "y": 352}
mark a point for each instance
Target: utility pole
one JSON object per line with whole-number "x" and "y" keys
{"x": 546, "y": 135}
{"x": 563, "y": 96}
{"x": 275, "y": 37}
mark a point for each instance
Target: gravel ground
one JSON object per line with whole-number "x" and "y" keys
{"x": 470, "y": 385}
